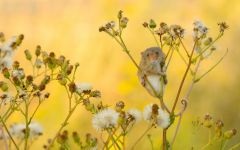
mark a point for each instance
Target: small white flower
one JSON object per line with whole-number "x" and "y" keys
{"x": 163, "y": 118}
{"x": 35, "y": 129}
{"x": 105, "y": 119}
{"x": 81, "y": 87}
{"x": 19, "y": 73}
{"x": 199, "y": 30}
{"x": 136, "y": 114}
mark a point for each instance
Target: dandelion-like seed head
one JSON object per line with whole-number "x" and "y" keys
{"x": 160, "y": 118}
{"x": 104, "y": 119}
{"x": 134, "y": 114}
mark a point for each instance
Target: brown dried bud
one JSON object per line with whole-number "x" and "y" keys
{"x": 69, "y": 69}
{"x": 38, "y": 50}
{"x": 6, "y": 73}
{"x": 29, "y": 79}
{"x": 120, "y": 14}
{"x": 72, "y": 87}
{"x": 230, "y": 133}
{"x": 119, "y": 106}
{"x": 46, "y": 95}
{"x": 155, "y": 109}
{"x": 102, "y": 29}
{"x": 145, "y": 24}
{"x": 16, "y": 65}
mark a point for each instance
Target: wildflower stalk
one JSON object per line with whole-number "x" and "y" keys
{"x": 153, "y": 34}
{"x": 9, "y": 134}
{"x": 26, "y": 135}
{"x": 139, "y": 139}
{"x": 65, "y": 122}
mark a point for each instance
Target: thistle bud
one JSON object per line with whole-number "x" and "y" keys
{"x": 6, "y": 73}
{"x": 28, "y": 54}
{"x": 120, "y": 14}
{"x": 230, "y": 133}
{"x": 72, "y": 87}
{"x": 3, "y": 86}
{"x": 38, "y": 50}
{"x": 119, "y": 106}
{"x": 76, "y": 138}
{"x": 152, "y": 24}
{"x": 123, "y": 22}
{"x": 145, "y": 24}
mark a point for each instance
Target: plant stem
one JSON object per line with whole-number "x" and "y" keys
{"x": 138, "y": 140}
{"x": 164, "y": 144}
{"x": 65, "y": 122}
{"x": 183, "y": 46}
{"x": 27, "y": 130}
{"x": 9, "y": 134}
{"x": 183, "y": 79}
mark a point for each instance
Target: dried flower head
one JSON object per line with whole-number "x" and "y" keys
{"x": 83, "y": 87}
{"x": 223, "y": 26}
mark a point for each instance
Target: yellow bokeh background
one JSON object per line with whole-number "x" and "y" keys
{"x": 70, "y": 27}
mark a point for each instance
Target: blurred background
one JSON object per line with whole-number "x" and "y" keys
{"x": 70, "y": 27}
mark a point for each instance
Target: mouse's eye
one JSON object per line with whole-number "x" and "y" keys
{"x": 156, "y": 53}
{"x": 147, "y": 55}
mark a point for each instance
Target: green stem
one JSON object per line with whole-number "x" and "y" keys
{"x": 152, "y": 32}
{"x": 9, "y": 134}
{"x": 138, "y": 140}
{"x": 183, "y": 79}
{"x": 183, "y": 46}
{"x": 65, "y": 122}
{"x": 234, "y": 146}
{"x": 27, "y": 130}
{"x": 203, "y": 75}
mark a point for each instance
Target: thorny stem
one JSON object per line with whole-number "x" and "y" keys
{"x": 9, "y": 134}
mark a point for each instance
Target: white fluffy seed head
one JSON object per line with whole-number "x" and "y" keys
{"x": 104, "y": 119}
{"x": 81, "y": 87}
{"x": 135, "y": 114}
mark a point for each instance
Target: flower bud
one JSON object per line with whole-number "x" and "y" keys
{"x": 3, "y": 86}
{"x": 145, "y": 24}
{"x": 6, "y": 73}
{"x": 119, "y": 106}
{"x": 76, "y": 138}
{"x": 123, "y": 22}
{"x": 152, "y": 24}
{"x": 72, "y": 87}
{"x": 120, "y": 14}
{"x": 38, "y": 50}
{"x": 230, "y": 133}
{"x": 28, "y": 54}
